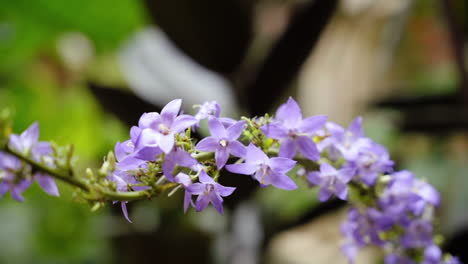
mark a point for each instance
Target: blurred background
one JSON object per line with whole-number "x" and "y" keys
{"x": 86, "y": 70}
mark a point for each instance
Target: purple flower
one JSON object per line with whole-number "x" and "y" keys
{"x": 432, "y": 255}
{"x": 178, "y": 157}
{"x": 331, "y": 181}
{"x": 397, "y": 259}
{"x": 223, "y": 141}
{"x": 361, "y": 229}
{"x": 418, "y": 234}
{"x": 123, "y": 181}
{"x": 185, "y": 181}
{"x": 208, "y": 109}
{"x": 10, "y": 169}
{"x": 28, "y": 143}
{"x": 369, "y": 159}
{"x": 159, "y": 130}
{"x": 208, "y": 191}
{"x": 340, "y": 141}
{"x": 264, "y": 169}
{"x": 405, "y": 193}
{"x": 294, "y": 132}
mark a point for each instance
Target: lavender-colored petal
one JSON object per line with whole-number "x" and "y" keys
{"x": 41, "y": 149}
{"x": 234, "y": 131}
{"x": 208, "y": 144}
{"x": 30, "y": 136}
{"x": 148, "y": 153}
{"x": 166, "y": 142}
{"x": 18, "y": 189}
{"x": 346, "y": 174}
{"x": 4, "y": 187}
{"x": 308, "y": 148}
{"x": 47, "y": 184}
{"x": 170, "y": 111}
{"x": 134, "y": 133}
{"x": 341, "y": 190}
{"x": 119, "y": 151}
{"x": 202, "y": 202}
{"x": 147, "y": 120}
{"x": 187, "y": 200}
{"x": 183, "y": 179}
{"x": 15, "y": 142}
{"x": 312, "y": 124}
{"x": 356, "y": 127}
{"x": 290, "y": 113}
{"x": 221, "y": 157}
{"x": 281, "y": 165}
{"x": 217, "y": 202}
{"x": 124, "y": 211}
{"x": 242, "y": 168}
{"x": 237, "y": 149}
{"x": 327, "y": 169}
{"x": 226, "y": 121}
{"x": 275, "y": 130}
{"x": 196, "y": 188}
{"x": 183, "y": 122}
{"x": 225, "y": 191}
{"x": 314, "y": 178}
{"x": 205, "y": 178}
{"x": 216, "y": 128}
{"x": 147, "y": 138}
{"x": 255, "y": 154}
{"x": 282, "y": 181}
{"x": 287, "y": 148}
{"x": 130, "y": 163}
{"x": 324, "y": 194}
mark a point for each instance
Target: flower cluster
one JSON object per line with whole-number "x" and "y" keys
{"x": 391, "y": 210}
{"x": 15, "y": 175}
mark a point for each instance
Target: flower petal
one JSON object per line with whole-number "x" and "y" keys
{"x": 146, "y": 121}
{"x": 15, "y": 143}
{"x": 356, "y": 127}
{"x": 242, "y": 168}
{"x": 221, "y": 157}
{"x": 237, "y": 149}
{"x": 202, "y": 203}
{"x": 17, "y": 190}
{"x": 3, "y": 188}
{"x": 287, "y": 148}
{"x": 124, "y": 211}
{"x": 282, "y": 181}
{"x": 208, "y": 144}
{"x": 255, "y": 154}
{"x": 234, "y": 131}
{"x": 290, "y": 113}
{"x": 205, "y": 178}
{"x": 224, "y": 190}
{"x": 308, "y": 148}
{"x": 170, "y": 111}
{"x": 30, "y": 136}
{"x": 166, "y": 142}
{"x": 281, "y": 165}
{"x": 324, "y": 194}
{"x": 47, "y": 184}
{"x": 275, "y": 130}
{"x": 182, "y": 122}
{"x": 312, "y": 124}
{"x": 217, "y": 202}
{"x": 196, "y": 188}
{"x": 216, "y": 128}
{"x": 314, "y": 178}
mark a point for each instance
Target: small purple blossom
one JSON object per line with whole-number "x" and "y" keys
{"x": 339, "y": 141}
{"x": 208, "y": 109}
{"x": 178, "y": 157}
{"x": 418, "y": 234}
{"x": 294, "y": 132}
{"x": 27, "y": 143}
{"x": 223, "y": 141}
{"x": 208, "y": 191}
{"x": 264, "y": 169}
{"x": 331, "y": 181}
{"x": 159, "y": 130}
{"x": 369, "y": 159}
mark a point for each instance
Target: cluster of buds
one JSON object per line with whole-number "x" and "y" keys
{"x": 392, "y": 210}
